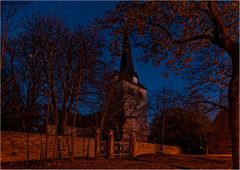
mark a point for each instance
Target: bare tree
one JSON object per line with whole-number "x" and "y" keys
{"x": 8, "y": 11}
{"x": 165, "y": 105}
{"x": 176, "y": 122}
{"x": 55, "y": 71}
{"x": 9, "y": 86}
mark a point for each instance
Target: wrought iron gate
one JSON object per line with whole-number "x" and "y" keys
{"x": 121, "y": 149}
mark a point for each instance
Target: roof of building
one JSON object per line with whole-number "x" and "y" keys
{"x": 127, "y": 71}
{"x": 126, "y": 60}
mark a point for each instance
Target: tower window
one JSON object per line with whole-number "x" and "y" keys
{"x": 134, "y": 79}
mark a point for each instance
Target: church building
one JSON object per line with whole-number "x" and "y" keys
{"x": 134, "y": 96}
{"x": 125, "y": 110}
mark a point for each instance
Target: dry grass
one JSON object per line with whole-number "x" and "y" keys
{"x": 150, "y": 161}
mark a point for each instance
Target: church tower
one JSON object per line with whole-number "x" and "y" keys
{"x": 134, "y": 96}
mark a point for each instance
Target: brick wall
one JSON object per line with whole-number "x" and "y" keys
{"x": 146, "y": 148}
{"x": 17, "y": 146}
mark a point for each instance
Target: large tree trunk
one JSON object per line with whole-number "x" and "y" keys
{"x": 233, "y": 101}
{"x": 233, "y": 90}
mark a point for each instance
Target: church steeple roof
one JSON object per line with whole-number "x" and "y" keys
{"x": 127, "y": 71}
{"x": 127, "y": 67}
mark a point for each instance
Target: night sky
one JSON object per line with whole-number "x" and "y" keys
{"x": 83, "y": 13}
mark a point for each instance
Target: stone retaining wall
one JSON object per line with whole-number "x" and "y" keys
{"x": 17, "y": 146}
{"x": 147, "y": 148}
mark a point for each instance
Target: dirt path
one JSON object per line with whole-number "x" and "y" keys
{"x": 150, "y": 161}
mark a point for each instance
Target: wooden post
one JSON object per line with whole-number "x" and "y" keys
{"x": 98, "y": 144}
{"x": 132, "y": 145}
{"x": 111, "y": 145}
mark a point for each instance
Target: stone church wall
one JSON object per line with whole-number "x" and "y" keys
{"x": 135, "y": 109}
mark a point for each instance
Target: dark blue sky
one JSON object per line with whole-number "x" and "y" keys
{"x": 83, "y": 13}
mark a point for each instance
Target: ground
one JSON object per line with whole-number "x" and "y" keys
{"x": 148, "y": 161}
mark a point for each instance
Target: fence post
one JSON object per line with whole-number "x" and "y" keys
{"x": 132, "y": 145}
{"x": 98, "y": 143}
{"x": 111, "y": 145}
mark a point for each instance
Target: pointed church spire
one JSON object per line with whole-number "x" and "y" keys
{"x": 126, "y": 67}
